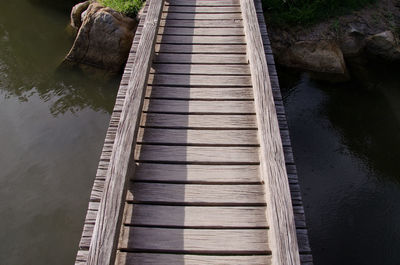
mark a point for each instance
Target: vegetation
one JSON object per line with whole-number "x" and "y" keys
{"x": 307, "y": 12}
{"x": 126, "y": 7}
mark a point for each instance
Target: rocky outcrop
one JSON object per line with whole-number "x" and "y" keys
{"x": 343, "y": 46}
{"x": 103, "y": 40}
{"x": 323, "y": 57}
{"x": 383, "y": 45}
{"x": 76, "y": 14}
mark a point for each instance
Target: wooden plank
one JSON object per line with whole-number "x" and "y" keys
{"x": 197, "y": 241}
{"x": 192, "y": 40}
{"x": 203, "y": 2}
{"x": 195, "y": 216}
{"x": 197, "y": 194}
{"x": 173, "y": 173}
{"x": 213, "y": 23}
{"x": 198, "y": 137}
{"x": 201, "y": 69}
{"x": 200, "y": 58}
{"x": 198, "y": 107}
{"x": 197, "y": 154}
{"x": 273, "y": 170}
{"x": 199, "y": 121}
{"x": 201, "y": 16}
{"x": 202, "y": 9}
{"x": 199, "y": 93}
{"x": 199, "y": 80}
{"x": 106, "y": 230}
{"x": 203, "y": 48}
{"x": 201, "y": 31}
{"x": 162, "y": 259}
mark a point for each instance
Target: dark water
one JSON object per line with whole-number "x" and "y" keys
{"x": 347, "y": 147}
{"x": 52, "y": 126}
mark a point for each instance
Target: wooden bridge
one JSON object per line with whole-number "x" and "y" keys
{"x": 197, "y": 166}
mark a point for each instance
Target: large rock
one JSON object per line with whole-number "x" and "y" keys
{"x": 383, "y": 46}
{"x": 316, "y": 56}
{"x": 103, "y": 41}
{"x": 76, "y": 14}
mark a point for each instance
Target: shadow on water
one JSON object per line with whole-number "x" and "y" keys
{"x": 346, "y": 140}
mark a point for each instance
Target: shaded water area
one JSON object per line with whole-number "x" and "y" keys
{"x": 52, "y": 126}
{"x": 346, "y": 142}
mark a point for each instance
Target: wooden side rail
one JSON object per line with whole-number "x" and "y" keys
{"x": 283, "y": 239}
{"x": 106, "y": 230}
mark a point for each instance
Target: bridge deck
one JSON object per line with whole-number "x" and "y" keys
{"x": 197, "y": 195}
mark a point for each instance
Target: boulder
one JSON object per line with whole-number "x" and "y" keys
{"x": 103, "y": 41}
{"x": 322, "y": 57}
{"x": 383, "y": 45}
{"x": 76, "y": 14}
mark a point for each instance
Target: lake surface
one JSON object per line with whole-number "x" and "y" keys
{"x": 52, "y": 126}
{"x": 346, "y": 142}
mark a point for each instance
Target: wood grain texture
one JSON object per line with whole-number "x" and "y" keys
{"x": 198, "y": 107}
{"x": 198, "y": 137}
{"x": 199, "y": 80}
{"x": 197, "y": 241}
{"x": 195, "y": 216}
{"x": 199, "y": 93}
{"x": 105, "y": 234}
{"x": 211, "y": 23}
{"x": 202, "y": 9}
{"x": 179, "y": 39}
{"x": 200, "y": 16}
{"x": 212, "y": 3}
{"x": 200, "y": 58}
{"x": 200, "y": 174}
{"x": 196, "y": 194}
{"x": 201, "y": 48}
{"x": 199, "y": 121}
{"x": 273, "y": 171}
{"x": 201, "y": 69}
{"x": 197, "y": 154}
{"x": 162, "y": 259}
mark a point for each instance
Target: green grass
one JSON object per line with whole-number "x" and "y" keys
{"x": 308, "y": 12}
{"x": 126, "y": 7}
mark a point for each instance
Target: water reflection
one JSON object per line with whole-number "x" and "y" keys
{"x": 30, "y": 54}
{"x": 346, "y": 144}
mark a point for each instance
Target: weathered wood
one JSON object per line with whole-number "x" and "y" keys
{"x": 280, "y": 212}
{"x": 201, "y": 31}
{"x": 162, "y": 259}
{"x": 105, "y": 234}
{"x": 201, "y": 48}
{"x": 197, "y": 154}
{"x": 212, "y": 23}
{"x": 200, "y": 174}
{"x": 184, "y": 39}
{"x": 201, "y": 16}
{"x": 198, "y": 137}
{"x": 203, "y": 3}
{"x": 198, "y": 107}
{"x": 201, "y": 69}
{"x": 200, "y": 58}
{"x": 202, "y": 9}
{"x": 195, "y": 194}
{"x": 195, "y": 216}
{"x": 199, "y": 93}
{"x": 197, "y": 241}
{"x": 199, "y": 80}
{"x": 199, "y": 121}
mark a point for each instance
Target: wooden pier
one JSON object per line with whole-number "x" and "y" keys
{"x": 197, "y": 166}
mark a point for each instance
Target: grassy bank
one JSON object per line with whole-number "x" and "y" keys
{"x": 127, "y": 7}
{"x": 308, "y": 12}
